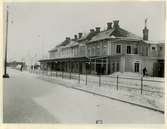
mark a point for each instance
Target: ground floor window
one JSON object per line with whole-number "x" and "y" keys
{"x": 137, "y": 67}
{"x": 113, "y": 67}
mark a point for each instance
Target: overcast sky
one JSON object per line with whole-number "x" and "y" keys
{"x": 34, "y": 28}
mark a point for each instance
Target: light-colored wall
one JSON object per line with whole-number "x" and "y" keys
{"x": 143, "y": 61}
{"x": 142, "y": 48}
{"x": 82, "y": 50}
{"x": 152, "y": 52}
{"x": 100, "y": 48}
{"x": 115, "y": 60}
{"x": 161, "y": 52}
{"x": 157, "y": 52}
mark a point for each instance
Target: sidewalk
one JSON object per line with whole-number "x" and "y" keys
{"x": 128, "y": 96}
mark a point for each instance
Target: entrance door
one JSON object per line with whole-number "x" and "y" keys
{"x": 136, "y": 67}
{"x": 98, "y": 69}
{"x": 158, "y": 69}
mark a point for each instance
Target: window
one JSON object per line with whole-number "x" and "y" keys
{"x": 82, "y": 50}
{"x": 73, "y": 51}
{"x": 98, "y": 50}
{"x": 136, "y": 67}
{"x": 93, "y": 51}
{"x": 160, "y": 48}
{"x": 105, "y": 49}
{"x": 88, "y": 51}
{"x": 146, "y": 54}
{"x": 128, "y": 49}
{"x": 135, "y": 50}
{"x": 118, "y": 49}
{"x": 113, "y": 67}
{"x": 153, "y": 48}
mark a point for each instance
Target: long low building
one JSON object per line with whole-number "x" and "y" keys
{"x": 104, "y": 52}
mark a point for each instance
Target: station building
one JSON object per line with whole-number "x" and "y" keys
{"x": 105, "y": 52}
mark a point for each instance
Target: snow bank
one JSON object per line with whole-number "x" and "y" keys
{"x": 149, "y": 99}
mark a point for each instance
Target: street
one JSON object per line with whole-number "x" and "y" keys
{"x": 30, "y": 100}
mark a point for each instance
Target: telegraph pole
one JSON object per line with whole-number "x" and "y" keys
{"x": 5, "y": 75}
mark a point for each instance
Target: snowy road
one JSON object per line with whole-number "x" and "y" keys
{"x": 29, "y": 100}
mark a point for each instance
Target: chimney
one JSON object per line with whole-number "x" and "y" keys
{"x": 145, "y": 33}
{"x": 97, "y": 29}
{"x": 92, "y": 30}
{"x": 116, "y": 23}
{"x": 109, "y": 25}
{"x": 75, "y": 37}
{"x": 80, "y": 35}
{"x": 67, "y": 38}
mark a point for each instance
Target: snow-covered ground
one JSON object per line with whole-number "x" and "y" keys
{"x": 28, "y": 99}
{"x": 128, "y": 89}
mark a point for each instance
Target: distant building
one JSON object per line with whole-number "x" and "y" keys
{"x": 104, "y": 52}
{"x": 14, "y": 64}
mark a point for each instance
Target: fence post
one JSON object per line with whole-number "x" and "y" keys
{"x": 79, "y": 77}
{"x": 99, "y": 80}
{"x": 141, "y": 85}
{"x": 62, "y": 73}
{"x": 117, "y": 82}
{"x": 43, "y": 74}
{"x": 70, "y": 74}
{"x": 86, "y": 77}
{"x": 51, "y": 74}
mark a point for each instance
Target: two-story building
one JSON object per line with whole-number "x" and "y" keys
{"x": 104, "y": 52}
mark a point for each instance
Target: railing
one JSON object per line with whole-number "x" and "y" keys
{"x": 140, "y": 85}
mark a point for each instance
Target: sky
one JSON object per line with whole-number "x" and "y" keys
{"x": 35, "y": 28}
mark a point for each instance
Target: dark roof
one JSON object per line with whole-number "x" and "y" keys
{"x": 65, "y": 42}
{"x": 102, "y": 35}
{"x": 83, "y": 58}
{"x": 72, "y": 43}
{"x": 53, "y": 49}
{"x": 114, "y": 33}
{"x": 87, "y": 36}
{"x": 124, "y": 33}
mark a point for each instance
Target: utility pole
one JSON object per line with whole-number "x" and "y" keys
{"x": 5, "y": 75}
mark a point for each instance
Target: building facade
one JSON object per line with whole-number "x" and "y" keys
{"x": 107, "y": 51}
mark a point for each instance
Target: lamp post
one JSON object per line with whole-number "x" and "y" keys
{"x": 5, "y": 75}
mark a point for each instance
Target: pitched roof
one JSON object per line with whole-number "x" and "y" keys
{"x": 114, "y": 33}
{"x": 87, "y": 36}
{"x": 72, "y": 43}
{"x": 64, "y": 43}
{"x": 102, "y": 35}
{"x": 53, "y": 49}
